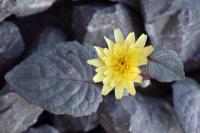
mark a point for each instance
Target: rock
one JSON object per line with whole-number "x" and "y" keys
{"x": 16, "y": 115}
{"x": 11, "y": 46}
{"x": 138, "y": 114}
{"x": 56, "y": 19}
{"x": 133, "y": 3}
{"x": 23, "y": 7}
{"x": 186, "y": 98}
{"x": 48, "y": 36}
{"x": 99, "y": 21}
{"x": 51, "y": 36}
{"x": 43, "y": 129}
{"x": 65, "y": 123}
{"x": 174, "y": 25}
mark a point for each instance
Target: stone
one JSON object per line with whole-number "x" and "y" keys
{"x": 174, "y": 24}
{"x": 11, "y": 46}
{"x": 65, "y": 123}
{"x": 186, "y": 99}
{"x": 138, "y": 114}
{"x": 51, "y": 36}
{"x": 48, "y": 36}
{"x": 43, "y": 129}
{"x": 16, "y": 115}
{"x": 98, "y": 21}
{"x": 56, "y": 19}
{"x": 133, "y": 3}
{"x": 22, "y": 8}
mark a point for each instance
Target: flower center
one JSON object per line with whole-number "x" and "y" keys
{"x": 121, "y": 65}
{"x": 122, "y": 62}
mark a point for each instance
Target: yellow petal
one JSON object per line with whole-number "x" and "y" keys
{"x": 100, "y": 51}
{"x": 100, "y": 69}
{"x": 113, "y": 83}
{"x": 148, "y": 50}
{"x": 106, "y": 51}
{"x": 136, "y": 70}
{"x": 142, "y": 40}
{"x": 137, "y": 79}
{"x": 108, "y": 72}
{"x": 130, "y": 39}
{"x": 131, "y": 88}
{"x": 132, "y": 49}
{"x": 119, "y": 38}
{"x": 109, "y": 42}
{"x": 95, "y": 62}
{"x": 119, "y": 92}
{"x": 98, "y": 78}
{"x": 108, "y": 62}
{"x": 142, "y": 61}
{"x": 106, "y": 89}
{"x": 107, "y": 80}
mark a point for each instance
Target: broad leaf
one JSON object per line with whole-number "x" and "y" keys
{"x": 186, "y": 98}
{"x": 58, "y": 79}
{"x": 164, "y": 66}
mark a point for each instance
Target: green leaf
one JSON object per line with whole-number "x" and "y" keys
{"x": 58, "y": 79}
{"x": 164, "y": 66}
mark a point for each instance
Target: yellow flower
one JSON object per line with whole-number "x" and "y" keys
{"x": 118, "y": 65}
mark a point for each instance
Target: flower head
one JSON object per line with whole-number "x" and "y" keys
{"x": 118, "y": 65}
